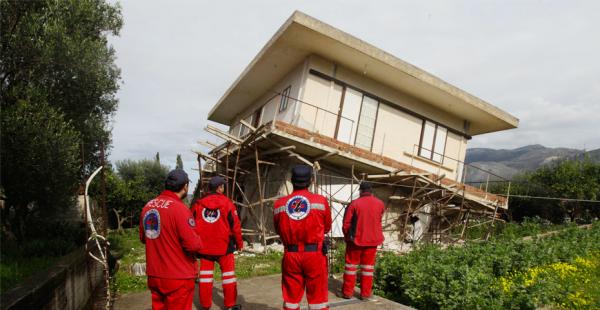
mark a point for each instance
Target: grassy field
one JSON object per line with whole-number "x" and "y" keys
{"x": 129, "y": 250}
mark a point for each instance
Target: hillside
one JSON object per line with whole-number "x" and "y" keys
{"x": 506, "y": 163}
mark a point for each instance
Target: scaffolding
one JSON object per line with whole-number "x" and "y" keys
{"x": 420, "y": 205}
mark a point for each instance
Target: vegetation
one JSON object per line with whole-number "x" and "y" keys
{"x": 130, "y": 188}
{"x": 506, "y": 272}
{"x": 44, "y": 244}
{"x": 39, "y": 167}
{"x": 58, "y": 83}
{"x": 129, "y": 250}
{"x": 179, "y": 161}
{"x": 572, "y": 179}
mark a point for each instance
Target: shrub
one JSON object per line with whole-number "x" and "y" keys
{"x": 470, "y": 277}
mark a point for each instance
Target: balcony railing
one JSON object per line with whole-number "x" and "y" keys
{"x": 317, "y": 119}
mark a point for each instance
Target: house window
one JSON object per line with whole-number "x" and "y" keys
{"x": 433, "y": 141}
{"x": 285, "y": 96}
{"x": 366, "y": 123}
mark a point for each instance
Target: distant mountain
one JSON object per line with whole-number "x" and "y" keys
{"x": 507, "y": 163}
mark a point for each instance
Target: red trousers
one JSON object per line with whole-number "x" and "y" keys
{"x": 363, "y": 257}
{"x": 171, "y": 293}
{"x": 300, "y": 271}
{"x": 207, "y": 266}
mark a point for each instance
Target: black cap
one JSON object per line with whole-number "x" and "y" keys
{"x": 301, "y": 175}
{"x": 176, "y": 179}
{"x": 216, "y": 181}
{"x": 365, "y": 186}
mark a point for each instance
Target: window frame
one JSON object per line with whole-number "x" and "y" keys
{"x": 376, "y": 99}
{"x": 285, "y": 96}
{"x": 432, "y": 150}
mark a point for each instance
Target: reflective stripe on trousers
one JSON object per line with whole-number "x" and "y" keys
{"x": 291, "y": 305}
{"x": 317, "y": 306}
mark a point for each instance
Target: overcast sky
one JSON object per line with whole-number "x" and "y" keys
{"x": 538, "y": 60}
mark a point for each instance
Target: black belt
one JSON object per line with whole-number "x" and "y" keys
{"x": 309, "y": 247}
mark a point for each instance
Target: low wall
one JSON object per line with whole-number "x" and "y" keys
{"x": 67, "y": 285}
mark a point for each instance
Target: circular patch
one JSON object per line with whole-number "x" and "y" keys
{"x": 192, "y": 222}
{"x": 152, "y": 224}
{"x": 210, "y": 215}
{"x": 297, "y": 207}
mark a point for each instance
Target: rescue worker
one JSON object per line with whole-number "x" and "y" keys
{"x": 302, "y": 219}
{"x": 363, "y": 233}
{"x": 167, "y": 229}
{"x": 219, "y": 227}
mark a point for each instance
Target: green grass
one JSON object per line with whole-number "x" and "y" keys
{"x": 43, "y": 245}
{"x": 129, "y": 250}
{"x": 15, "y": 269}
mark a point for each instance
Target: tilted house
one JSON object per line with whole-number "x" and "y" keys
{"x": 318, "y": 95}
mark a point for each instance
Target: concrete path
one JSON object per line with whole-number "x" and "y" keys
{"x": 263, "y": 293}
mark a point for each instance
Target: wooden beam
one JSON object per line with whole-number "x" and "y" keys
{"x": 221, "y": 134}
{"x": 207, "y": 144}
{"x": 248, "y": 125}
{"x": 205, "y": 156}
{"x": 269, "y": 152}
{"x": 328, "y": 154}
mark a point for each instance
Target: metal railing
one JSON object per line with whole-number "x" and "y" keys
{"x": 320, "y": 123}
{"x": 463, "y": 168}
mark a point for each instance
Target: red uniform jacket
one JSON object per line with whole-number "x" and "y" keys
{"x": 362, "y": 221}
{"x": 167, "y": 229}
{"x": 302, "y": 217}
{"x": 217, "y": 224}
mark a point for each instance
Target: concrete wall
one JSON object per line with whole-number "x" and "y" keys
{"x": 64, "y": 286}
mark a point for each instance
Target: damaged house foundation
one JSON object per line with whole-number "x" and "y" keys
{"x": 319, "y": 96}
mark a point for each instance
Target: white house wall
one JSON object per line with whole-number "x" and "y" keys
{"x": 269, "y": 102}
{"x": 396, "y": 132}
{"x": 323, "y": 101}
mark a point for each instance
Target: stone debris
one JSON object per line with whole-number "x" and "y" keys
{"x": 138, "y": 269}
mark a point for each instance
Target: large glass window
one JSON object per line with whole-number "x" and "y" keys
{"x": 366, "y": 123}
{"x": 433, "y": 141}
{"x": 348, "y": 120}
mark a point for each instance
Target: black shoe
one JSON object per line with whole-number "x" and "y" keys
{"x": 341, "y": 295}
{"x": 236, "y": 307}
{"x": 366, "y": 298}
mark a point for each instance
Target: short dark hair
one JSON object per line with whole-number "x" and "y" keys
{"x": 175, "y": 188}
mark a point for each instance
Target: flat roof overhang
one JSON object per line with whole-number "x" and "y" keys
{"x": 302, "y": 35}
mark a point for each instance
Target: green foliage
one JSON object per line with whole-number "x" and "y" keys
{"x": 58, "y": 83}
{"x": 179, "y": 164}
{"x": 572, "y": 179}
{"x": 14, "y": 271}
{"x": 39, "y": 162}
{"x": 469, "y": 277}
{"x": 57, "y": 53}
{"x": 133, "y": 185}
{"x": 43, "y": 244}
